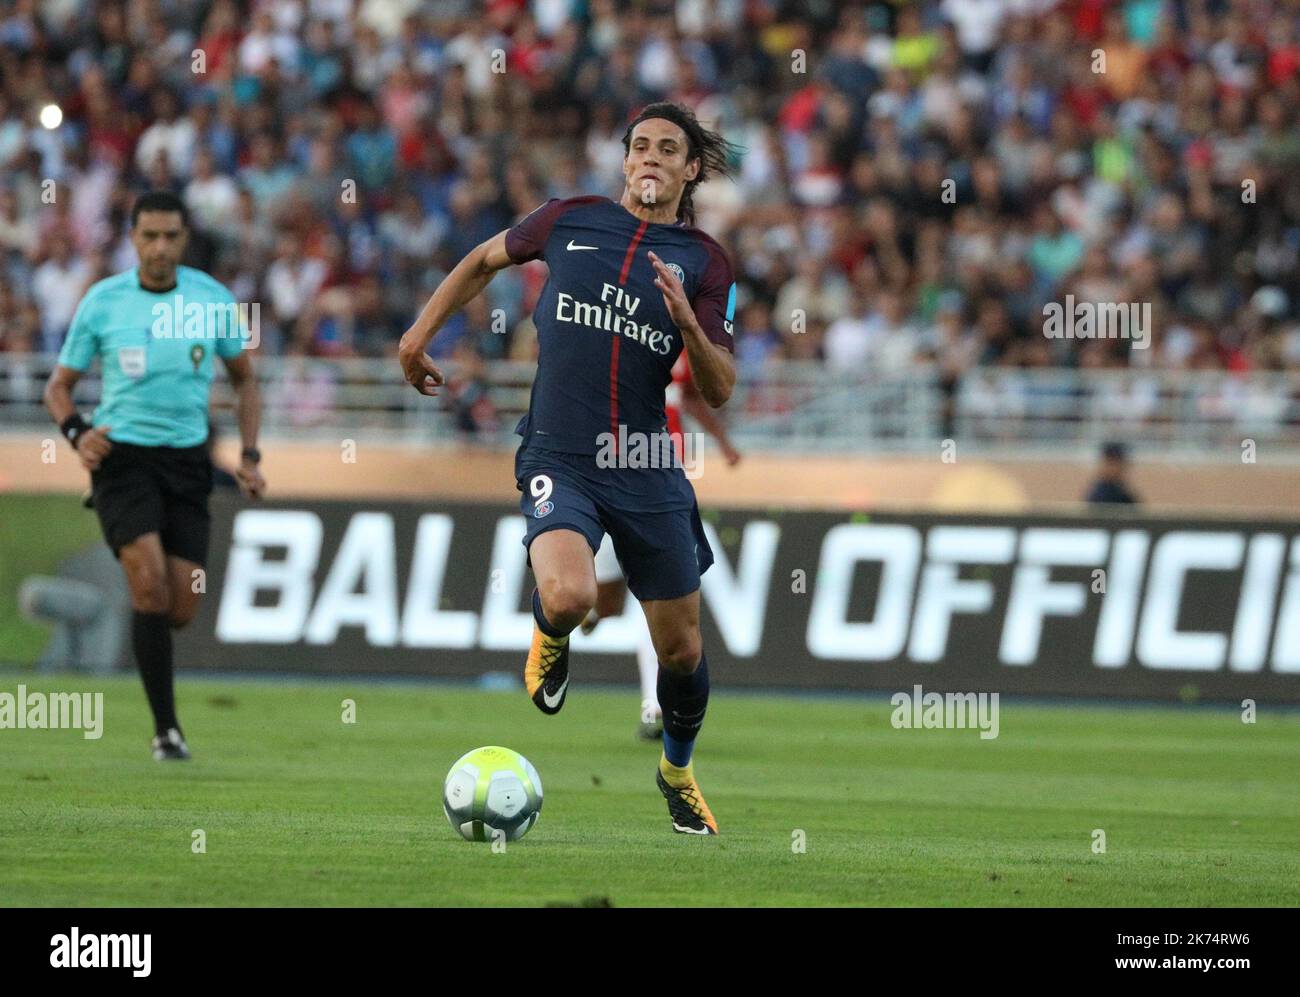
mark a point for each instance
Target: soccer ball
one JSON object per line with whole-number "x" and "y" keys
{"x": 492, "y": 792}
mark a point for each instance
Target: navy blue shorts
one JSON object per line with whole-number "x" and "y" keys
{"x": 651, "y": 516}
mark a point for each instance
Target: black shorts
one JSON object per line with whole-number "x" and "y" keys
{"x": 163, "y": 490}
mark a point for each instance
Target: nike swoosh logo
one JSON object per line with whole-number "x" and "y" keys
{"x": 571, "y": 246}
{"x": 690, "y": 830}
{"x": 554, "y": 702}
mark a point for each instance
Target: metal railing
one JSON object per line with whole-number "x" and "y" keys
{"x": 792, "y": 406}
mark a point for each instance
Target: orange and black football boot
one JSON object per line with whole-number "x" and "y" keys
{"x": 686, "y": 806}
{"x": 546, "y": 672}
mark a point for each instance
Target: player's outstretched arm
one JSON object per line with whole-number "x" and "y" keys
{"x": 470, "y": 276}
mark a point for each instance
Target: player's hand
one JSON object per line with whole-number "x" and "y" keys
{"x": 417, "y": 367}
{"x": 93, "y": 446}
{"x": 731, "y": 454}
{"x": 250, "y": 479}
{"x": 674, "y": 294}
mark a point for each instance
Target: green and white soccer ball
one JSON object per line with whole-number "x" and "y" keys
{"x": 492, "y": 792}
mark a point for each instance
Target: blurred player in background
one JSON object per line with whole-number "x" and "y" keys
{"x": 631, "y": 287}
{"x": 146, "y": 446}
{"x": 611, "y": 586}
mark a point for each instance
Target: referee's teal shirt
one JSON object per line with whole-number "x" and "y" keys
{"x": 157, "y": 350}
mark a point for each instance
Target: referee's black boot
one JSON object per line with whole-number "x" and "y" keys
{"x": 170, "y": 747}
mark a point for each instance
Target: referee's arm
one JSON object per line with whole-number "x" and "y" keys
{"x": 91, "y": 443}
{"x": 79, "y": 349}
{"x": 248, "y": 412}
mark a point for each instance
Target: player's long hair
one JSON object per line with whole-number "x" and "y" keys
{"x": 710, "y": 148}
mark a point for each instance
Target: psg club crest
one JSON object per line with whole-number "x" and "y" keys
{"x": 545, "y": 509}
{"x": 677, "y": 272}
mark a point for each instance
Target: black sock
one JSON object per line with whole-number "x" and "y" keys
{"x": 543, "y": 624}
{"x": 684, "y": 699}
{"x": 151, "y": 637}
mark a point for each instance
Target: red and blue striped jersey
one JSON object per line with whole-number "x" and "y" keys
{"x": 606, "y": 344}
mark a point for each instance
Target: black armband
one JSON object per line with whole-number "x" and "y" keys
{"x": 72, "y": 427}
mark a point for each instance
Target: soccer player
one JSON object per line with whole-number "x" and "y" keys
{"x": 155, "y": 329}
{"x": 632, "y": 284}
{"x": 611, "y": 586}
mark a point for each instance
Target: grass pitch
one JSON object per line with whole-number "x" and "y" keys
{"x": 298, "y": 808}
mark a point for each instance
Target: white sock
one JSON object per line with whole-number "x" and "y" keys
{"x": 647, "y": 663}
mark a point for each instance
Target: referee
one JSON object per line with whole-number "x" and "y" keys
{"x": 145, "y": 447}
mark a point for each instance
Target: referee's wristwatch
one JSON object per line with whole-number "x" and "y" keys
{"x": 251, "y": 454}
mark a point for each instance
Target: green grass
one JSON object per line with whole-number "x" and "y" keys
{"x": 300, "y": 809}
{"x": 64, "y": 528}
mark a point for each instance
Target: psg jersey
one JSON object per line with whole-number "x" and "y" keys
{"x": 606, "y": 343}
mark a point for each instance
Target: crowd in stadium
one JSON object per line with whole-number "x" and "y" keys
{"x": 913, "y": 181}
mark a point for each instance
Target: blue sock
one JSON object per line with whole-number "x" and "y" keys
{"x": 684, "y": 699}
{"x": 543, "y": 623}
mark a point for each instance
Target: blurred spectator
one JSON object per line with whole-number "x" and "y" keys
{"x": 170, "y": 136}
{"x": 468, "y": 397}
{"x": 292, "y": 280}
{"x": 848, "y": 339}
{"x": 1112, "y": 485}
{"x": 757, "y": 342}
{"x": 212, "y": 197}
{"x": 268, "y": 176}
{"x": 17, "y": 230}
{"x": 57, "y": 287}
